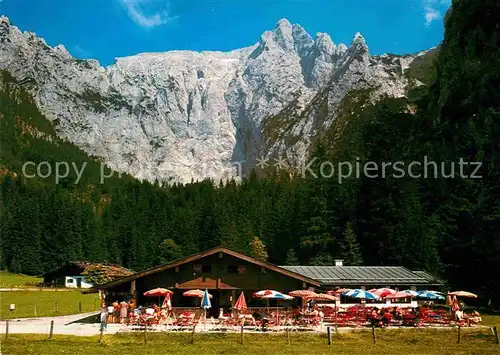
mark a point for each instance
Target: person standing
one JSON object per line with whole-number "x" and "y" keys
{"x": 123, "y": 311}
{"x": 104, "y": 317}
{"x": 110, "y": 314}
{"x": 116, "y": 311}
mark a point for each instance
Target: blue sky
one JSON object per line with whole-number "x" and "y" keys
{"x": 105, "y": 29}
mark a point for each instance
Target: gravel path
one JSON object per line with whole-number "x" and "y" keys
{"x": 68, "y": 325}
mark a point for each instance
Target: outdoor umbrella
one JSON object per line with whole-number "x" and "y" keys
{"x": 338, "y": 291}
{"x": 357, "y": 293}
{"x": 322, "y": 297}
{"x": 430, "y": 295}
{"x": 302, "y": 294}
{"x": 401, "y": 294}
{"x": 158, "y": 292}
{"x": 205, "y": 304}
{"x": 463, "y": 294}
{"x": 241, "y": 303}
{"x": 449, "y": 300}
{"x": 196, "y": 293}
{"x": 167, "y": 302}
{"x": 260, "y": 294}
{"x": 382, "y": 292}
{"x": 411, "y": 292}
{"x": 455, "y": 306}
{"x": 277, "y": 296}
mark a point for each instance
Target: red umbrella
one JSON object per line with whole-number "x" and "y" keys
{"x": 158, "y": 292}
{"x": 383, "y": 292}
{"x": 196, "y": 293}
{"x": 167, "y": 303}
{"x": 241, "y": 303}
{"x": 338, "y": 291}
{"x": 303, "y": 293}
{"x": 322, "y": 297}
{"x": 455, "y": 305}
{"x": 401, "y": 294}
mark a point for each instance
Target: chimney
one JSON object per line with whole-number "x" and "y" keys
{"x": 339, "y": 262}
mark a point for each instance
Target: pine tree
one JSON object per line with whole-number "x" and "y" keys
{"x": 258, "y": 249}
{"x": 322, "y": 259}
{"x": 291, "y": 258}
{"x": 350, "y": 246}
{"x": 169, "y": 251}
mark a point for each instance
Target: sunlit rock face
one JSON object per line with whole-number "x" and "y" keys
{"x": 183, "y": 115}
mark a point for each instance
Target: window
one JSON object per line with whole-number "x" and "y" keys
{"x": 232, "y": 269}
{"x": 206, "y": 269}
{"x": 70, "y": 281}
{"x": 242, "y": 269}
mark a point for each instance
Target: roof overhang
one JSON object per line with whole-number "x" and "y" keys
{"x": 198, "y": 256}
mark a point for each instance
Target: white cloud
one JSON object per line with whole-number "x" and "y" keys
{"x": 433, "y": 10}
{"x": 147, "y": 13}
{"x": 431, "y": 15}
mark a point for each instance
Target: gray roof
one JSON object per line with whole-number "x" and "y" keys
{"x": 429, "y": 277}
{"x": 364, "y": 275}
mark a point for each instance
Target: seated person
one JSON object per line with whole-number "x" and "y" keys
{"x": 387, "y": 317}
{"x": 315, "y": 311}
{"x": 475, "y": 318}
{"x": 374, "y": 318}
{"x": 459, "y": 315}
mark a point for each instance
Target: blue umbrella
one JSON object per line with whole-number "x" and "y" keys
{"x": 430, "y": 295}
{"x": 357, "y": 293}
{"x": 205, "y": 303}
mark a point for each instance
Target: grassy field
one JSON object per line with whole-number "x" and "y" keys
{"x": 9, "y": 280}
{"x": 40, "y": 303}
{"x": 46, "y": 303}
{"x": 411, "y": 341}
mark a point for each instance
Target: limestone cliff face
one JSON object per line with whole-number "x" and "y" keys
{"x": 184, "y": 115}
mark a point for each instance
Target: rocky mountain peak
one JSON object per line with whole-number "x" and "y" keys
{"x": 358, "y": 39}
{"x": 324, "y": 43}
{"x": 184, "y": 115}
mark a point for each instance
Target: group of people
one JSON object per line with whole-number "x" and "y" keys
{"x": 473, "y": 318}
{"x": 384, "y": 316}
{"x": 122, "y": 312}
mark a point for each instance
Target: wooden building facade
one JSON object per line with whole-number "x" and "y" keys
{"x": 225, "y": 273}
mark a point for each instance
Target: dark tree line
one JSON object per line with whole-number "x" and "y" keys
{"x": 448, "y": 226}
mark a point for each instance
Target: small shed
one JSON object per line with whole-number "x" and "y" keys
{"x": 72, "y": 274}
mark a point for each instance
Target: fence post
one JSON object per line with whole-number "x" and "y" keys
{"x": 100, "y": 335}
{"x": 329, "y": 332}
{"x": 35, "y": 310}
{"x": 192, "y": 333}
{"x": 241, "y": 334}
{"x": 6, "y": 329}
{"x": 56, "y": 307}
{"x": 80, "y": 306}
{"x": 374, "y": 336}
{"x": 495, "y": 333}
{"x": 51, "y": 329}
{"x": 459, "y": 329}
